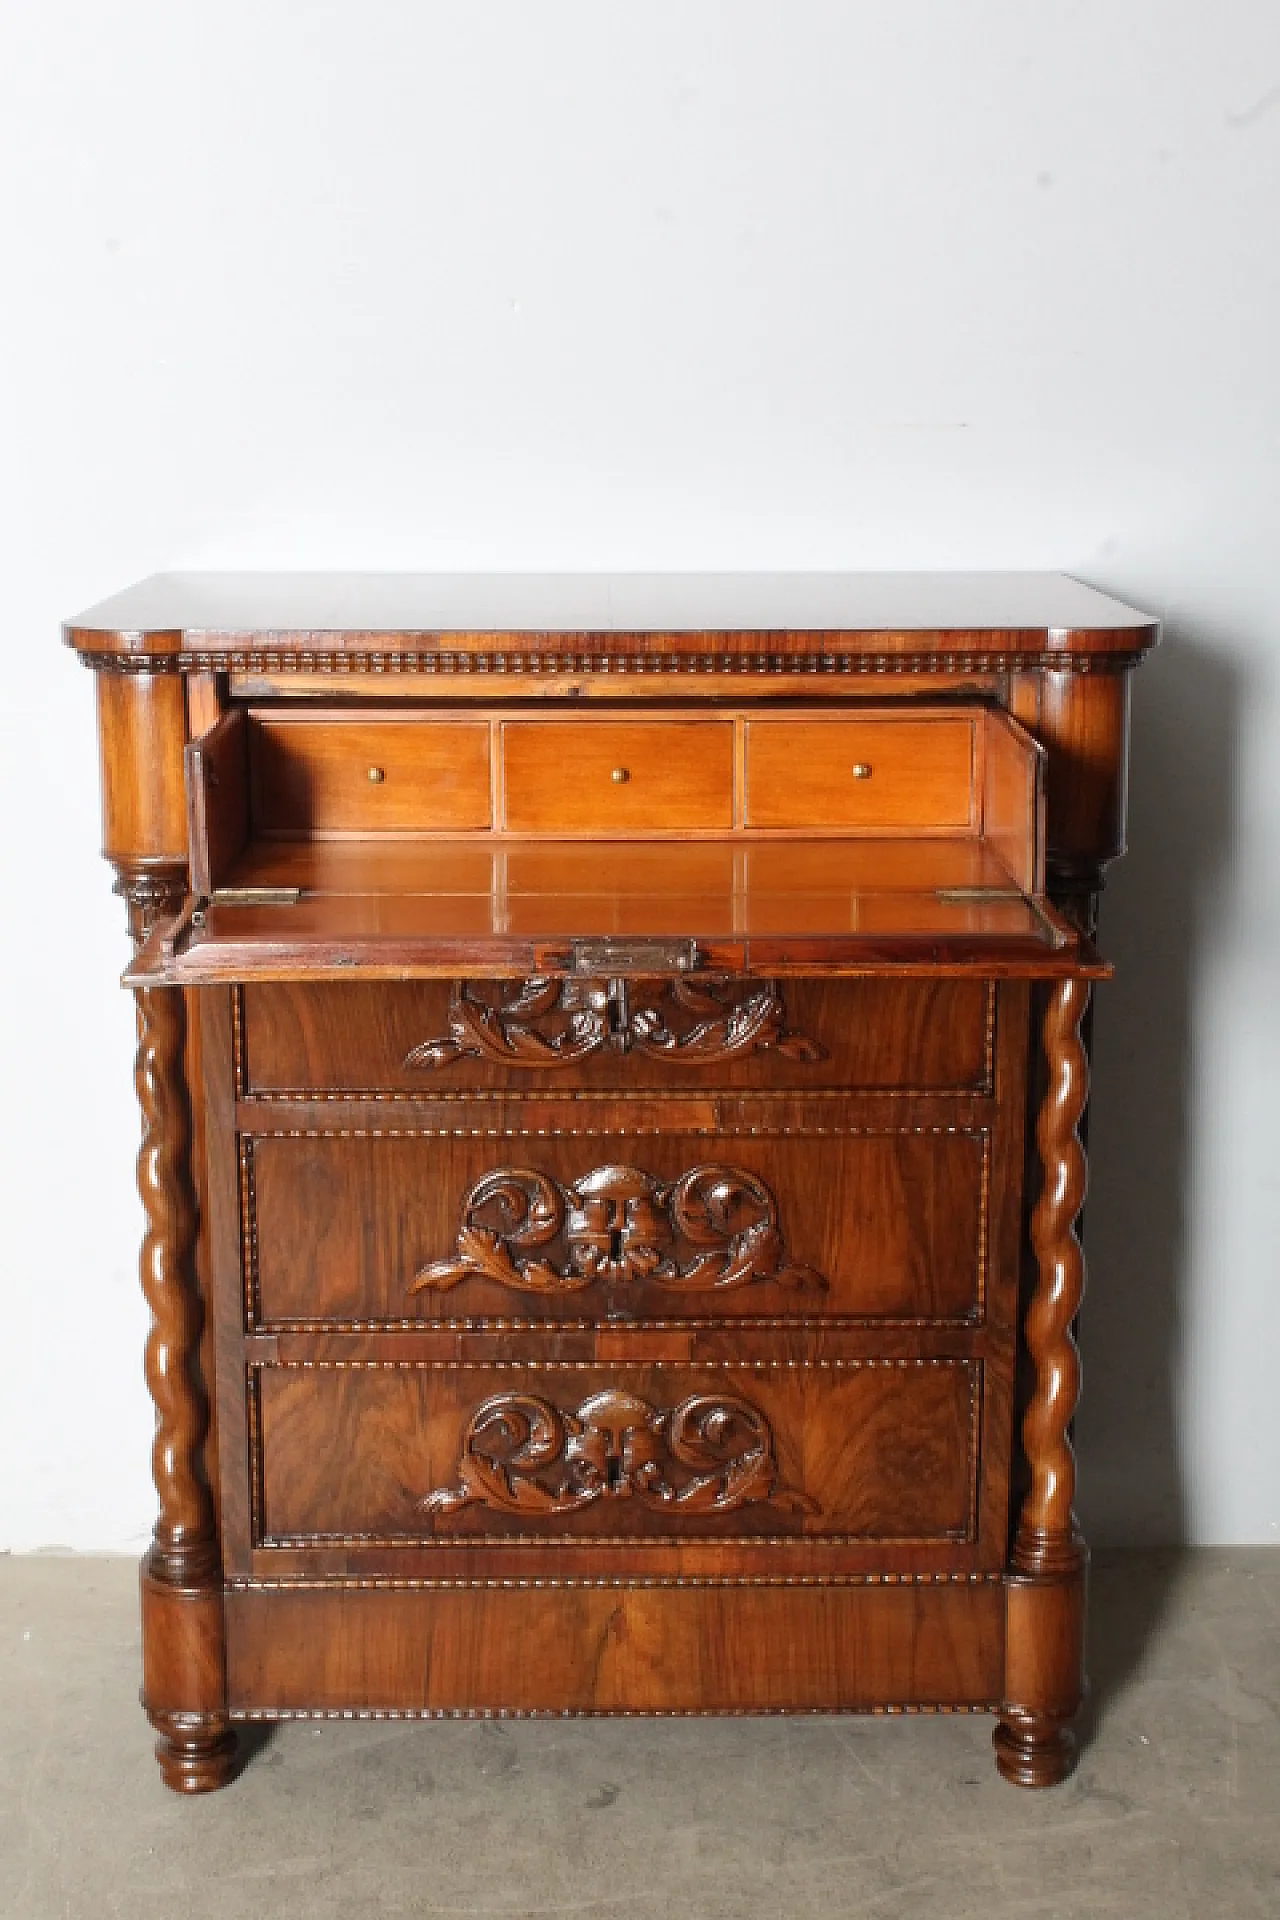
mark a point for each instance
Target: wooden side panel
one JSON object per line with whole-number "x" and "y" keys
{"x": 822, "y": 1451}
{"x": 612, "y": 778}
{"x": 356, "y": 775}
{"x": 217, "y": 766}
{"x": 1012, "y": 814}
{"x": 1084, "y": 723}
{"x": 438, "y": 1037}
{"x": 866, "y": 775}
{"x": 610, "y": 1650}
{"x": 888, "y": 1224}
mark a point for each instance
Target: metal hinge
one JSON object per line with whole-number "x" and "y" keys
{"x": 997, "y": 896}
{"x": 255, "y": 896}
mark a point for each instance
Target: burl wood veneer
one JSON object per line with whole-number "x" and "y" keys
{"x": 611, "y": 1065}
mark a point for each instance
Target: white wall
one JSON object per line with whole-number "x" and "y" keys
{"x": 906, "y": 284}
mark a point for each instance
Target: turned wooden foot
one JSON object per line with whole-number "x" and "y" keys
{"x": 196, "y": 1754}
{"x": 1032, "y": 1751}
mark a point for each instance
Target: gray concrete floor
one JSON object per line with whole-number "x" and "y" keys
{"x": 1175, "y": 1810}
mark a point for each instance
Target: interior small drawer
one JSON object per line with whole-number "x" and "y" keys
{"x": 339, "y": 775}
{"x": 816, "y": 1451}
{"x": 611, "y": 778}
{"x": 866, "y": 773}
{"x": 609, "y": 1230}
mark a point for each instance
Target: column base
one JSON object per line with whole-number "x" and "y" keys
{"x": 196, "y": 1753}
{"x": 1032, "y": 1752}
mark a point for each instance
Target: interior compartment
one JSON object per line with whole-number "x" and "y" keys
{"x": 640, "y": 843}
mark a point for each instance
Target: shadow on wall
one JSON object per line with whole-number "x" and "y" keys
{"x": 1186, "y": 703}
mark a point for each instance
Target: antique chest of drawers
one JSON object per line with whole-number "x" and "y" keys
{"x": 612, "y": 1055}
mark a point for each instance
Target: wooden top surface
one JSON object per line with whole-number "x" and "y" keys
{"x": 357, "y": 615}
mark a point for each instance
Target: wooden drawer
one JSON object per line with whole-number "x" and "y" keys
{"x": 873, "y": 772}
{"x": 613, "y": 778}
{"x": 607, "y": 1229}
{"x": 677, "y": 1647}
{"x": 822, "y": 1451}
{"x": 354, "y": 774}
{"x": 435, "y": 1037}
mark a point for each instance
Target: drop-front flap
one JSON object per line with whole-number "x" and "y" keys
{"x": 658, "y": 841}
{"x": 404, "y": 910}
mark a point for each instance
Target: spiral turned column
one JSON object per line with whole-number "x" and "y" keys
{"x": 185, "y": 1550}
{"x": 184, "y": 1677}
{"x": 1044, "y": 1665}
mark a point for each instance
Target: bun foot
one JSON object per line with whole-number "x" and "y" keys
{"x": 195, "y": 1756}
{"x": 1034, "y": 1752}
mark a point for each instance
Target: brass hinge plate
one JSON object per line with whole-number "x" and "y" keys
{"x": 255, "y": 896}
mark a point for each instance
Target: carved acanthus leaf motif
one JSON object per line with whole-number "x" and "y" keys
{"x": 549, "y": 1022}
{"x": 714, "y": 1229}
{"x": 505, "y": 1032}
{"x": 713, "y": 1453}
{"x": 724, "y": 1027}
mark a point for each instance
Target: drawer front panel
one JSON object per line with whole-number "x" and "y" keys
{"x": 821, "y": 1451}
{"x": 609, "y": 779}
{"x": 616, "y": 1649}
{"x": 860, "y": 773}
{"x": 371, "y": 776}
{"x": 435, "y": 1037}
{"x": 583, "y": 1228}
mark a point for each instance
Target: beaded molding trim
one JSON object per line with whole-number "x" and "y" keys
{"x": 741, "y": 1323}
{"x": 890, "y": 1710}
{"x": 597, "y": 1132}
{"x": 536, "y": 664}
{"x": 397, "y": 1583}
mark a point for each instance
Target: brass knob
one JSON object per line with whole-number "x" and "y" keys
{"x": 376, "y": 776}
{"x": 862, "y": 771}
{"x": 620, "y": 776}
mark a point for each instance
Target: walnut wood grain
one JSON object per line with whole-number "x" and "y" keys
{"x": 1046, "y": 1540}
{"x": 737, "y": 1496}
{"x": 870, "y": 1451}
{"x": 390, "y": 622}
{"x": 182, "y": 1572}
{"x": 185, "y": 1550}
{"x": 630, "y": 1649}
{"x": 549, "y": 1023}
{"x": 141, "y": 731}
{"x": 883, "y": 1224}
{"x": 431, "y": 1037}
{"x": 1034, "y": 1741}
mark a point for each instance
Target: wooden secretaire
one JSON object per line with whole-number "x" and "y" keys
{"x": 611, "y": 1061}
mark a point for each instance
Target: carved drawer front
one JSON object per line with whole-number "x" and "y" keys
{"x": 356, "y": 775}
{"x": 850, "y": 1450}
{"x": 867, "y": 772}
{"x": 608, "y": 779}
{"x": 621, "y": 1228}
{"x": 438, "y": 1037}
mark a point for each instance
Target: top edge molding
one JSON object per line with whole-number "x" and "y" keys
{"x": 395, "y": 623}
